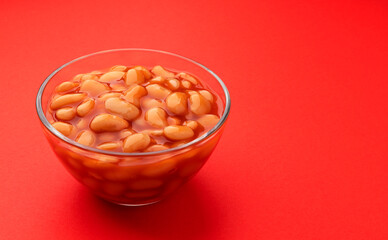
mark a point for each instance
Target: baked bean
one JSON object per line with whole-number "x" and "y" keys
{"x": 125, "y": 109}
{"x": 191, "y": 92}
{"x": 106, "y": 160}
{"x": 86, "y": 138}
{"x": 136, "y": 142}
{"x": 109, "y": 146}
{"x": 178, "y": 144}
{"x": 125, "y": 133}
{"x": 199, "y": 104}
{"x": 188, "y": 78}
{"x": 103, "y": 163}
{"x": 134, "y": 94}
{"x": 93, "y": 87}
{"x": 66, "y": 86}
{"x": 173, "y": 121}
{"x": 208, "y": 121}
{"x": 157, "y": 132}
{"x": 86, "y": 107}
{"x": 189, "y": 155}
{"x": 157, "y": 91}
{"x": 158, "y": 80}
{"x": 64, "y": 128}
{"x": 186, "y": 84}
{"x": 118, "y": 87}
{"x": 74, "y": 153}
{"x": 191, "y": 124}
{"x": 160, "y": 71}
{"x": 118, "y": 68}
{"x": 111, "y": 76}
{"x": 120, "y": 174}
{"x": 134, "y": 76}
{"x": 108, "y": 95}
{"x": 155, "y": 148}
{"x": 206, "y": 94}
{"x": 96, "y": 72}
{"x": 65, "y": 114}
{"x": 147, "y": 74}
{"x": 108, "y": 123}
{"x": 88, "y": 77}
{"x": 173, "y": 84}
{"x": 66, "y": 100}
{"x": 78, "y": 77}
{"x": 151, "y": 103}
{"x": 178, "y": 132}
{"x": 177, "y": 103}
{"x": 156, "y": 117}
{"x": 161, "y": 168}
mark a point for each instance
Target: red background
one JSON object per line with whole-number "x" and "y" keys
{"x": 304, "y": 154}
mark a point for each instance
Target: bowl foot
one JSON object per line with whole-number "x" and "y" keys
{"x": 135, "y": 204}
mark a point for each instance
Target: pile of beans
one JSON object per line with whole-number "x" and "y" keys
{"x": 133, "y": 109}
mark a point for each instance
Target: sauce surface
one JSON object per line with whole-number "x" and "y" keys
{"x": 134, "y": 109}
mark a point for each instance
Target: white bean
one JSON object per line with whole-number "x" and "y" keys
{"x": 156, "y": 147}
{"x": 118, "y": 68}
{"x": 147, "y": 74}
{"x": 188, "y": 77}
{"x": 160, "y": 71}
{"x": 112, "y": 76}
{"x": 134, "y": 76}
{"x": 173, "y": 84}
{"x": 108, "y": 146}
{"x": 199, "y": 104}
{"x": 108, "y": 123}
{"x": 177, "y": 103}
{"x": 86, "y": 138}
{"x": 86, "y": 107}
{"x": 93, "y": 87}
{"x": 156, "y": 117}
{"x": 208, "y": 121}
{"x": 66, "y": 100}
{"x": 178, "y": 132}
{"x": 134, "y": 94}
{"x": 64, "y": 128}
{"x": 206, "y": 94}
{"x": 65, "y": 114}
{"x": 157, "y": 91}
{"x": 127, "y": 110}
{"x": 66, "y": 86}
{"x": 136, "y": 142}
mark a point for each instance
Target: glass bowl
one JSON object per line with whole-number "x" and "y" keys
{"x": 132, "y": 179}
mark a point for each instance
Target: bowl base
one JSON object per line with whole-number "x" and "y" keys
{"x": 135, "y": 204}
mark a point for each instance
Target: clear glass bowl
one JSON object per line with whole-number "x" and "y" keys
{"x": 132, "y": 179}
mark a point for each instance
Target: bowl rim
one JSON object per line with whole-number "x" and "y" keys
{"x": 56, "y": 133}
